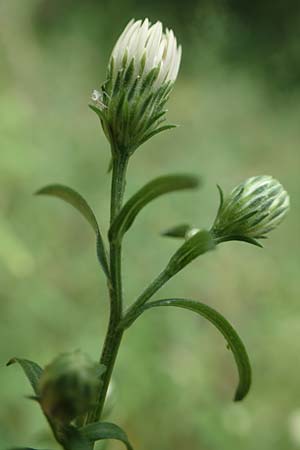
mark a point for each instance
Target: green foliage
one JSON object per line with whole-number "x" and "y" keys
{"x": 234, "y": 342}
{"x": 78, "y": 202}
{"x": 105, "y": 430}
{"x": 23, "y": 448}
{"x": 31, "y": 369}
{"x": 153, "y": 189}
{"x": 230, "y": 128}
{"x": 178, "y": 231}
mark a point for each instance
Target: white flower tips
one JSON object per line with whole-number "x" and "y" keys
{"x": 253, "y": 209}
{"x": 143, "y": 67}
{"x": 68, "y": 386}
{"x": 150, "y": 48}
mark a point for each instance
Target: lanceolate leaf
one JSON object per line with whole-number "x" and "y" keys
{"x": 32, "y": 370}
{"x": 23, "y": 448}
{"x": 78, "y": 202}
{"x": 105, "y": 430}
{"x": 234, "y": 342}
{"x": 145, "y": 195}
{"x": 246, "y": 239}
{"x": 179, "y": 231}
{"x": 158, "y": 130}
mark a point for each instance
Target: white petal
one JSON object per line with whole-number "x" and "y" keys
{"x": 140, "y": 38}
{"x": 172, "y": 61}
{"x": 152, "y": 46}
{"x": 143, "y": 38}
{"x": 123, "y": 43}
{"x": 116, "y": 50}
{"x": 176, "y": 64}
{"x": 134, "y": 41}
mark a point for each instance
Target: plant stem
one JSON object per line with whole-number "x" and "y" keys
{"x": 114, "y": 334}
{"x": 119, "y": 167}
{"x": 153, "y": 287}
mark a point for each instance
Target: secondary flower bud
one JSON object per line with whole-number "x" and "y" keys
{"x": 68, "y": 386}
{"x": 142, "y": 70}
{"x": 251, "y": 210}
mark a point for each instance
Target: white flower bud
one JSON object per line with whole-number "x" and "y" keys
{"x": 68, "y": 386}
{"x": 142, "y": 69}
{"x": 253, "y": 209}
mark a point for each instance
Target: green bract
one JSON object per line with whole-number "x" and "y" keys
{"x": 68, "y": 386}
{"x": 142, "y": 69}
{"x": 251, "y": 210}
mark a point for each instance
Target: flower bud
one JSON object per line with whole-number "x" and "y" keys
{"x": 142, "y": 70}
{"x": 68, "y": 386}
{"x": 251, "y": 210}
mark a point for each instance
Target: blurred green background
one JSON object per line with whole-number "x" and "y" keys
{"x": 237, "y": 104}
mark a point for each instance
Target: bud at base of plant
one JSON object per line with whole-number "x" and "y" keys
{"x": 68, "y": 386}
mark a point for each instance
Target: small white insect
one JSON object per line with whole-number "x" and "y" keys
{"x": 97, "y": 98}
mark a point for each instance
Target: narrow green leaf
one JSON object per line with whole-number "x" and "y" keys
{"x": 23, "y": 448}
{"x": 179, "y": 231}
{"x": 78, "y": 202}
{"x": 234, "y": 341}
{"x": 153, "y": 189}
{"x": 221, "y": 194}
{"x": 31, "y": 369}
{"x": 246, "y": 239}
{"x": 156, "y": 131}
{"x": 195, "y": 246}
{"x": 105, "y": 430}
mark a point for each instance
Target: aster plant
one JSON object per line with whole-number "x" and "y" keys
{"x": 130, "y": 104}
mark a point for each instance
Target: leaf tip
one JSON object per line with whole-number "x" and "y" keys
{"x": 42, "y": 191}
{"x": 35, "y": 398}
{"x": 11, "y": 361}
{"x": 239, "y": 396}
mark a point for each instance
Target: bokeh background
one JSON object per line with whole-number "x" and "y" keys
{"x": 237, "y": 104}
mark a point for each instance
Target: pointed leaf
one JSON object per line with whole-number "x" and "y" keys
{"x": 78, "y": 202}
{"x": 23, "y": 448}
{"x": 179, "y": 231}
{"x": 221, "y": 194}
{"x": 246, "y": 239}
{"x": 105, "y": 430}
{"x": 145, "y": 195}
{"x": 156, "y": 131}
{"x": 234, "y": 342}
{"x": 195, "y": 246}
{"x": 31, "y": 369}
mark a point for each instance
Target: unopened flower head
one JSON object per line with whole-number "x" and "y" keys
{"x": 142, "y": 70}
{"x": 253, "y": 209}
{"x": 68, "y": 386}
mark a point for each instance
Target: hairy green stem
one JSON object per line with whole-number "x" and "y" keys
{"x": 153, "y": 287}
{"x": 119, "y": 167}
{"x": 114, "y": 334}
